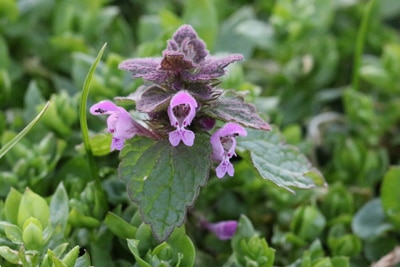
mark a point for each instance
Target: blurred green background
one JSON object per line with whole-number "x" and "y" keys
{"x": 326, "y": 72}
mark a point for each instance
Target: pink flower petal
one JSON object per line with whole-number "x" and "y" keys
{"x": 103, "y": 107}
{"x": 174, "y": 137}
{"x": 224, "y": 167}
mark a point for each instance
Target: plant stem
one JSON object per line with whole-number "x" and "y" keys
{"x": 360, "y": 41}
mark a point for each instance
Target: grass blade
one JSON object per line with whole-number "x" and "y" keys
{"x": 83, "y": 117}
{"x": 21, "y": 134}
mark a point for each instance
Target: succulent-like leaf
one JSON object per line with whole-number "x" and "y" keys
{"x": 164, "y": 180}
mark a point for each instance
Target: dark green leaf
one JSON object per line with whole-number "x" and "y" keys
{"x": 280, "y": 163}
{"x": 164, "y": 180}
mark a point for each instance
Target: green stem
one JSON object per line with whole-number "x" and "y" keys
{"x": 83, "y": 118}
{"x": 360, "y": 41}
{"x": 21, "y": 134}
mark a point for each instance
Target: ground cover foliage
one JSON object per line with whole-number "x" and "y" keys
{"x": 323, "y": 73}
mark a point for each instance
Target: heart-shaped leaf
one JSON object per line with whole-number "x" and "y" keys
{"x": 164, "y": 180}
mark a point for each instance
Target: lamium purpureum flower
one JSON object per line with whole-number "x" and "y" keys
{"x": 119, "y": 123}
{"x": 224, "y": 230}
{"x": 223, "y": 143}
{"x": 181, "y": 111}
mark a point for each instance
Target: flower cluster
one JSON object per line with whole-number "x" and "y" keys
{"x": 181, "y": 98}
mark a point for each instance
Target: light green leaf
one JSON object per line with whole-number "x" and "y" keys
{"x": 14, "y": 233}
{"x": 10, "y": 255}
{"x": 390, "y": 195}
{"x": 33, "y": 205}
{"x": 278, "y": 162}
{"x": 182, "y": 245}
{"x": 133, "y": 247}
{"x": 70, "y": 258}
{"x": 11, "y": 205}
{"x": 164, "y": 180}
{"x": 119, "y": 226}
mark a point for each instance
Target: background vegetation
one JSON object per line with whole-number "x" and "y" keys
{"x": 326, "y": 72}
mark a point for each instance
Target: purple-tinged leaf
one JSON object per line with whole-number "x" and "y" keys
{"x": 164, "y": 180}
{"x": 214, "y": 67}
{"x": 153, "y": 99}
{"x": 231, "y": 107}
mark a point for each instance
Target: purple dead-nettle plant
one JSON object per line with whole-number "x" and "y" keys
{"x": 167, "y": 158}
{"x": 182, "y": 92}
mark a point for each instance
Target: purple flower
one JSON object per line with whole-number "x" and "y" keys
{"x": 119, "y": 123}
{"x": 223, "y": 142}
{"x": 224, "y": 230}
{"x": 181, "y": 111}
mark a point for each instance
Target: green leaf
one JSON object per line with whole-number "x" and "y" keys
{"x": 14, "y": 233}
{"x": 282, "y": 164}
{"x": 10, "y": 255}
{"x": 21, "y": 134}
{"x": 119, "y": 226}
{"x": 230, "y": 106}
{"x": 33, "y": 205}
{"x": 11, "y": 205}
{"x": 70, "y": 258}
{"x": 308, "y": 223}
{"x": 83, "y": 261}
{"x": 369, "y": 222}
{"x": 181, "y": 244}
{"x": 59, "y": 208}
{"x": 390, "y": 195}
{"x": 77, "y": 219}
{"x": 133, "y": 247}
{"x": 32, "y": 234}
{"x": 164, "y": 180}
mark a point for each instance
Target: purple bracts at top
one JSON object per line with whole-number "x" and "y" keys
{"x": 185, "y": 58}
